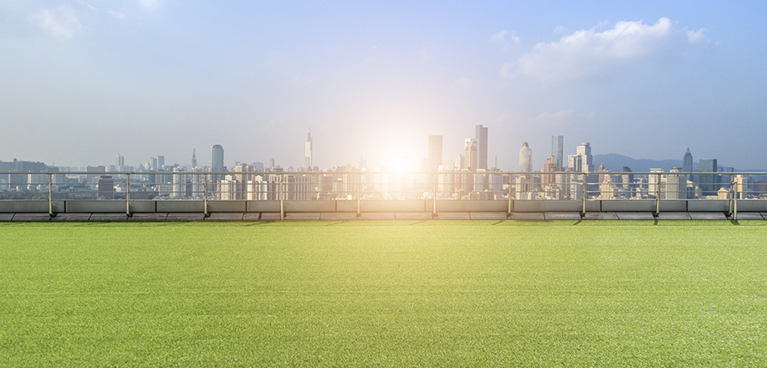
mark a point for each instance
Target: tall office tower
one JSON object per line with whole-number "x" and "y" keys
{"x": 481, "y": 138}
{"x": 119, "y": 162}
{"x": 687, "y": 161}
{"x": 194, "y": 158}
{"x": 627, "y": 179}
{"x": 154, "y": 163}
{"x": 525, "y": 158}
{"x": 460, "y": 162}
{"x": 308, "y": 153}
{"x": 217, "y": 158}
{"x": 160, "y": 161}
{"x": 708, "y": 183}
{"x": 574, "y": 163}
{"x": 271, "y": 163}
{"x": 470, "y": 154}
{"x": 435, "y": 153}
{"x": 557, "y": 149}
{"x": 584, "y": 150}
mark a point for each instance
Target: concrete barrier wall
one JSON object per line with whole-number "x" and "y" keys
{"x": 752, "y": 205}
{"x": 94, "y": 206}
{"x": 227, "y": 206}
{"x": 472, "y": 206}
{"x": 311, "y": 206}
{"x": 151, "y": 206}
{"x": 554, "y": 206}
{"x": 30, "y": 206}
{"x": 673, "y": 205}
{"x": 180, "y": 206}
{"x": 628, "y": 206}
{"x": 142, "y": 206}
{"x": 263, "y": 206}
{"x": 391, "y": 206}
{"x": 708, "y": 205}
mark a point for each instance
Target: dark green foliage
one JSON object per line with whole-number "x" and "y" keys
{"x": 384, "y": 293}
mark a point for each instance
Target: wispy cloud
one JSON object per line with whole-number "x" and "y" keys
{"x": 587, "y": 53}
{"x": 59, "y": 22}
{"x": 504, "y": 36}
{"x": 697, "y": 36}
{"x": 116, "y": 15}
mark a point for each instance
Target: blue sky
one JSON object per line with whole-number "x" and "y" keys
{"x": 85, "y": 80}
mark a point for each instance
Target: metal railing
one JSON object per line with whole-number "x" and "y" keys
{"x": 364, "y": 186}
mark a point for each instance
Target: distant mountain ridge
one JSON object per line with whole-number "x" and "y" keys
{"x": 616, "y": 162}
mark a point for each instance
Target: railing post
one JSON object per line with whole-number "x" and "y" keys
{"x": 434, "y": 203}
{"x": 359, "y": 194}
{"x": 127, "y": 194}
{"x": 280, "y": 193}
{"x": 50, "y": 195}
{"x": 585, "y": 191}
{"x": 509, "y": 207}
{"x": 733, "y": 200}
{"x": 657, "y": 194}
{"x": 205, "y": 194}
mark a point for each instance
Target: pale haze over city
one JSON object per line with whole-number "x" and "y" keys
{"x": 86, "y": 80}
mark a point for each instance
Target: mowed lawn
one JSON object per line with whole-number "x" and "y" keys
{"x": 384, "y": 293}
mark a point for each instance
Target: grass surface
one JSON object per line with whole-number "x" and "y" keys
{"x": 398, "y": 293}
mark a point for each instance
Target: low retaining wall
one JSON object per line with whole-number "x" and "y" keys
{"x": 373, "y": 206}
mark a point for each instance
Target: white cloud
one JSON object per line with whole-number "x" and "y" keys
{"x": 591, "y": 53}
{"x": 59, "y": 22}
{"x": 502, "y": 37}
{"x": 498, "y": 37}
{"x": 696, "y": 36}
{"x": 559, "y": 29}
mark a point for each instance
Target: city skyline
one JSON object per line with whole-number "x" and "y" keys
{"x": 371, "y": 80}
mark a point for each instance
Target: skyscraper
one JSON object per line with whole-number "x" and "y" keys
{"x": 160, "y": 161}
{"x": 194, "y": 158}
{"x": 217, "y": 158}
{"x": 708, "y": 183}
{"x": 525, "y": 158}
{"x": 470, "y": 154}
{"x": 481, "y": 139}
{"x": 308, "y": 153}
{"x": 557, "y": 149}
{"x": 119, "y": 161}
{"x": 435, "y": 153}
{"x": 584, "y": 150}
{"x": 687, "y": 161}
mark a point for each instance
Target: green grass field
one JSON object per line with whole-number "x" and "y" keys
{"x": 378, "y": 293}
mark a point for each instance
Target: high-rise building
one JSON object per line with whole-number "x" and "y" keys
{"x": 160, "y": 161}
{"x": 708, "y": 183}
{"x": 687, "y": 161}
{"x": 308, "y": 153}
{"x": 119, "y": 162}
{"x": 217, "y": 158}
{"x": 557, "y": 149}
{"x": 470, "y": 154}
{"x": 154, "y": 164}
{"x": 481, "y": 140}
{"x": 435, "y": 153}
{"x": 271, "y": 163}
{"x": 525, "y": 158}
{"x": 194, "y": 158}
{"x": 584, "y": 150}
